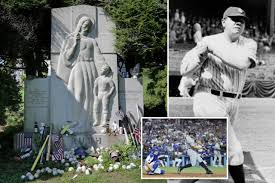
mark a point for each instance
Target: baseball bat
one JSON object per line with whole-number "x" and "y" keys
{"x": 49, "y": 145}
{"x": 40, "y": 153}
{"x": 126, "y": 135}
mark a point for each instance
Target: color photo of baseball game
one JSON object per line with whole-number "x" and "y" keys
{"x": 184, "y": 148}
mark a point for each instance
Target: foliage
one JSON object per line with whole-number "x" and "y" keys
{"x": 155, "y": 89}
{"x": 90, "y": 161}
{"x": 140, "y": 30}
{"x": 125, "y": 152}
{"x": 26, "y": 5}
{"x": 9, "y": 96}
{"x": 141, "y": 38}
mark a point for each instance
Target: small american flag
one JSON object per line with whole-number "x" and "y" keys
{"x": 58, "y": 149}
{"x": 22, "y": 141}
{"x": 137, "y": 135}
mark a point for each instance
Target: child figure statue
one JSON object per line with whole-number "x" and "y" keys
{"x": 103, "y": 89}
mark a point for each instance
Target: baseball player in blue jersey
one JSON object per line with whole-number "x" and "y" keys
{"x": 223, "y": 60}
{"x": 152, "y": 162}
{"x": 192, "y": 148}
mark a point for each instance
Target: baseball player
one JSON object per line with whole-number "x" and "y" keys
{"x": 217, "y": 154}
{"x": 192, "y": 148}
{"x": 152, "y": 162}
{"x": 223, "y": 60}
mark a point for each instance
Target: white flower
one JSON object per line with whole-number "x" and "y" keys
{"x": 132, "y": 165}
{"x": 23, "y": 177}
{"x": 61, "y": 172}
{"x": 30, "y": 177}
{"x": 78, "y": 169}
{"x": 110, "y": 169}
{"x": 95, "y": 166}
{"x": 71, "y": 169}
{"x": 67, "y": 164}
{"x": 49, "y": 170}
{"x": 28, "y": 174}
{"x": 63, "y": 161}
{"x": 42, "y": 170}
{"x": 116, "y": 166}
{"x": 83, "y": 168}
{"x": 117, "y": 163}
{"x": 87, "y": 172}
{"x": 123, "y": 166}
{"x": 128, "y": 167}
{"x": 36, "y": 175}
{"x": 54, "y": 173}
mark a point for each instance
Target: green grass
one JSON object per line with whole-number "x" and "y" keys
{"x": 196, "y": 169}
{"x": 12, "y": 170}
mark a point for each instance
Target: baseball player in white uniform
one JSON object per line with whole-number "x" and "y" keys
{"x": 223, "y": 60}
{"x": 217, "y": 154}
{"x": 192, "y": 148}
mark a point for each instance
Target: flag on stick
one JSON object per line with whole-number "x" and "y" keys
{"x": 58, "y": 145}
{"x": 22, "y": 141}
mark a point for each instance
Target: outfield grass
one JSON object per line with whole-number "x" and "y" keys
{"x": 11, "y": 171}
{"x": 196, "y": 169}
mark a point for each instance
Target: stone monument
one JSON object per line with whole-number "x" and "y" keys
{"x": 83, "y": 90}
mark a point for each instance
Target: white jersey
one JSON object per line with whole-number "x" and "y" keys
{"x": 194, "y": 156}
{"x": 223, "y": 77}
{"x": 190, "y": 142}
{"x": 217, "y": 148}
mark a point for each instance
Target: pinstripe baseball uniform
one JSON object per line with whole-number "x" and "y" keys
{"x": 223, "y": 66}
{"x": 194, "y": 156}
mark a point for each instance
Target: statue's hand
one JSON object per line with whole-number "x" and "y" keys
{"x": 76, "y": 39}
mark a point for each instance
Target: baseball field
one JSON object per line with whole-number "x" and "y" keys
{"x": 171, "y": 172}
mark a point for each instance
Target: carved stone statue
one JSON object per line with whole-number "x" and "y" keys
{"x": 79, "y": 53}
{"x": 103, "y": 89}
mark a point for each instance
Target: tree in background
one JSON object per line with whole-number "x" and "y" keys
{"x": 155, "y": 89}
{"x": 141, "y": 37}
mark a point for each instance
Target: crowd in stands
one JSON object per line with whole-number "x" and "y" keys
{"x": 182, "y": 29}
{"x": 167, "y": 135}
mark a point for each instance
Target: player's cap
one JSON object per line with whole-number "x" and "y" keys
{"x": 235, "y": 12}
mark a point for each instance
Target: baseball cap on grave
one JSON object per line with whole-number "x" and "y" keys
{"x": 235, "y": 12}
